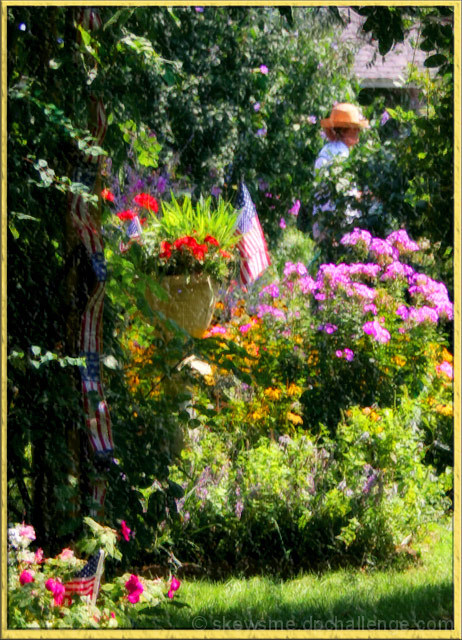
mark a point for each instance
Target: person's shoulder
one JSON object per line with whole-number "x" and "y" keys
{"x": 329, "y": 152}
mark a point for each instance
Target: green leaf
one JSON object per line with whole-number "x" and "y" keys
{"x": 435, "y": 61}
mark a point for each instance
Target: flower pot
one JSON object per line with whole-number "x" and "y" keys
{"x": 191, "y": 301}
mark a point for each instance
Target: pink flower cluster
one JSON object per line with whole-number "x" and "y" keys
{"x": 446, "y": 369}
{"x": 266, "y": 309}
{"x": 401, "y": 241}
{"x": 272, "y": 289}
{"x": 57, "y": 589}
{"x": 348, "y": 354}
{"x": 433, "y": 292}
{"x": 375, "y": 329}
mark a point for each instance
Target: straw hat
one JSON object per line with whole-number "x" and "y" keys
{"x": 345, "y": 115}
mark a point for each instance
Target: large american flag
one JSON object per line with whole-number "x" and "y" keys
{"x": 86, "y": 581}
{"x": 252, "y": 244}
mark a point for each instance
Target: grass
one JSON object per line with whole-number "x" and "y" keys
{"x": 420, "y": 596}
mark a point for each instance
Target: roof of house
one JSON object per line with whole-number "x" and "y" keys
{"x": 375, "y": 70}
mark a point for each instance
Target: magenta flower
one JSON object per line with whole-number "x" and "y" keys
{"x": 272, "y": 289}
{"x": 25, "y": 577}
{"x": 446, "y": 369}
{"x": 402, "y": 311}
{"x": 348, "y": 354}
{"x": 57, "y": 589}
{"x": 298, "y": 269}
{"x": 245, "y": 327}
{"x": 423, "y": 314}
{"x": 328, "y": 328}
{"x": 383, "y": 251}
{"x": 339, "y": 353}
{"x": 134, "y": 588}
{"x": 295, "y": 208}
{"x": 174, "y": 586}
{"x": 397, "y": 270}
{"x": 264, "y": 69}
{"x": 374, "y": 329}
{"x": 370, "y": 307}
{"x": 217, "y": 329}
{"x": 199, "y": 9}
{"x": 125, "y": 531}
{"x": 402, "y": 241}
{"x": 282, "y": 223}
{"x": 357, "y": 236}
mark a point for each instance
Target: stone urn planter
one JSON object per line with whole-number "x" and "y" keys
{"x": 191, "y": 303}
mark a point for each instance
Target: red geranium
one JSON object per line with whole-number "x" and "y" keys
{"x": 212, "y": 240}
{"x": 107, "y": 195}
{"x": 147, "y": 201}
{"x": 128, "y": 214}
{"x": 199, "y": 251}
{"x": 224, "y": 254}
{"x": 187, "y": 241}
{"x": 165, "y": 250}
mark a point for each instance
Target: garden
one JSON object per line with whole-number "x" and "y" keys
{"x": 222, "y": 410}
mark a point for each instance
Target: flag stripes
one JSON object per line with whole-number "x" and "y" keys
{"x": 86, "y": 581}
{"x": 252, "y": 244}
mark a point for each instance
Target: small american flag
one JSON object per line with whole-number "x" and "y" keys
{"x": 134, "y": 232}
{"x": 86, "y": 581}
{"x": 252, "y": 245}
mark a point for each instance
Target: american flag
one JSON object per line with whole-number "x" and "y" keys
{"x": 134, "y": 232}
{"x": 86, "y": 581}
{"x": 252, "y": 245}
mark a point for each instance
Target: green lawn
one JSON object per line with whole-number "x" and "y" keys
{"x": 420, "y": 596}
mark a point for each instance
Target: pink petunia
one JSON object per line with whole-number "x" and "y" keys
{"x": 264, "y": 69}
{"x": 282, "y": 223}
{"x": 134, "y": 588}
{"x": 379, "y": 333}
{"x": 57, "y": 589}
{"x": 125, "y": 531}
{"x": 25, "y": 577}
{"x": 174, "y": 586}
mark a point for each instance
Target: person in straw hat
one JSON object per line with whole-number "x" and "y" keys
{"x": 342, "y": 129}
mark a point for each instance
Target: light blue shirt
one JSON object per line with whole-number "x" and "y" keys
{"x": 329, "y": 152}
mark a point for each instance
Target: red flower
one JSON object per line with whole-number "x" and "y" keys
{"x": 224, "y": 253}
{"x": 147, "y": 201}
{"x": 187, "y": 241}
{"x": 174, "y": 586}
{"x": 212, "y": 240}
{"x": 134, "y": 588}
{"x": 125, "y": 531}
{"x": 143, "y": 221}
{"x": 128, "y": 214}
{"x": 199, "y": 251}
{"x": 165, "y": 250}
{"x": 107, "y": 195}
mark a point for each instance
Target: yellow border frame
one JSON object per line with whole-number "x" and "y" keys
{"x": 125, "y": 633}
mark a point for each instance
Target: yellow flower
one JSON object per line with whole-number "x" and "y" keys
{"x": 400, "y": 360}
{"x": 273, "y": 394}
{"x": 444, "y": 409}
{"x": 294, "y": 418}
{"x": 293, "y": 389}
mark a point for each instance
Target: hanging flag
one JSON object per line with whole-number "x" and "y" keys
{"x": 252, "y": 244}
{"x": 86, "y": 581}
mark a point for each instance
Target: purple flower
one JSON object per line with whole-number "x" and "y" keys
{"x": 199, "y": 9}
{"x": 402, "y": 311}
{"x": 295, "y": 208}
{"x": 238, "y": 509}
{"x": 282, "y": 223}
{"x": 262, "y": 185}
{"x": 328, "y": 328}
{"x": 312, "y": 119}
{"x": 257, "y": 106}
{"x": 379, "y": 248}
{"x": 215, "y": 191}
{"x": 348, "y": 354}
{"x": 265, "y": 309}
{"x": 245, "y": 327}
{"x": 263, "y": 69}
{"x": 272, "y": 289}
{"x": 385, "y": 117}
{"x": 261, "y": 132}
